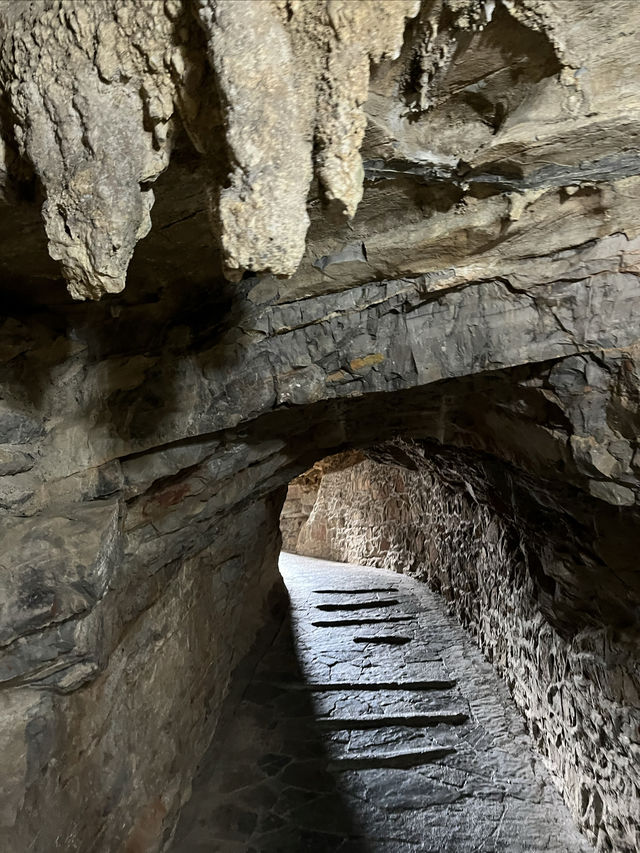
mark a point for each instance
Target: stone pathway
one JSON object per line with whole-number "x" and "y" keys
{"x": 370, "y": 724}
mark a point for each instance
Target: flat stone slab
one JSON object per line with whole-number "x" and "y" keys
{"x": 342, "y": 740}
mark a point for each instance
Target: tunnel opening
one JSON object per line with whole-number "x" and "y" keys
{"x": 517, "y": 559}
{"x": 337, "y": 739}
{"x": 537, "y": 459}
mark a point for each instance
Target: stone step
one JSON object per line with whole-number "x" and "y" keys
{"x": 397, "y": 760}
{"x": 358, "y": 605}
{"x": 389, "y": 740}
{"x": 384, "y": 640}
{"x": 388, "y": 703}
{"x": 452, "y": 718}
{"x": 373, "y": 620}
{"x": 363, "y": 591}
{"x": 368, "y": 664}
{"x": 321, "y": 686}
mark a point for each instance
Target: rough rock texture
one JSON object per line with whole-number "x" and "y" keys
{"x": 302, "y": 493}
{"x": 469, "y": 276}
{"x": 496, "y": 107}
{"x": 296, "y": 510}
{"x": 124, "y": 746}
{"x": 86, "y": 84}
{"x": 472, "y": 530}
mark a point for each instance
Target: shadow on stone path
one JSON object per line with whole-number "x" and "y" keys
{"x": 370, "y": 724}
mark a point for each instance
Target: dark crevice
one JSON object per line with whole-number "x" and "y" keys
{"x": 356, "y": 591}
{"x": 386, "y": 640}
{"x": 336, "y": 623}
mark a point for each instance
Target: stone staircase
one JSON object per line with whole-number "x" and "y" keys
{"x": 372, "y": 725}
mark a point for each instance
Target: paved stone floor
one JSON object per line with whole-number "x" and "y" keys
{"x": 372, "y": 724}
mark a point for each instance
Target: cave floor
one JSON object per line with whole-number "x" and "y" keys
{"x": 370, "y": 723}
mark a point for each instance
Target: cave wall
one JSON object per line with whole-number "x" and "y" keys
{"x": 127, "y": 464}
{"x": 302, "y": 493}
{"x": 296, "y": 510}
{"x": 237, "y": 237}
{"x": 102, "y": 757}
{"x": 465, "y": 526}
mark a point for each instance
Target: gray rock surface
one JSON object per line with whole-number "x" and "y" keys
{"x": 495, "y": 107}
{"x": 112, "y": 705}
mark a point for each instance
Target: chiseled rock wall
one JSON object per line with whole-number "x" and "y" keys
{"x": 463, "y": 526}
{"x": 302, "y": 492}
{"x": 297, "y": 508}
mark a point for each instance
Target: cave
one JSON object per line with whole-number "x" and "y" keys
{"x": 352, "y": 281}
{"x": 364, "y": 721}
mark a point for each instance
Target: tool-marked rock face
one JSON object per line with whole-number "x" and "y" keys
{"x": 370, "y": 220}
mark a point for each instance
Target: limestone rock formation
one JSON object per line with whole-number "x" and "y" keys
{"x": 338, "y": 224}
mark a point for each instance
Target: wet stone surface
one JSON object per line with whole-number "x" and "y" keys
{"x": 341, "y": 738}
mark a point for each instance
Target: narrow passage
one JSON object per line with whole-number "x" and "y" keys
{"x": 371, "y": 724}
